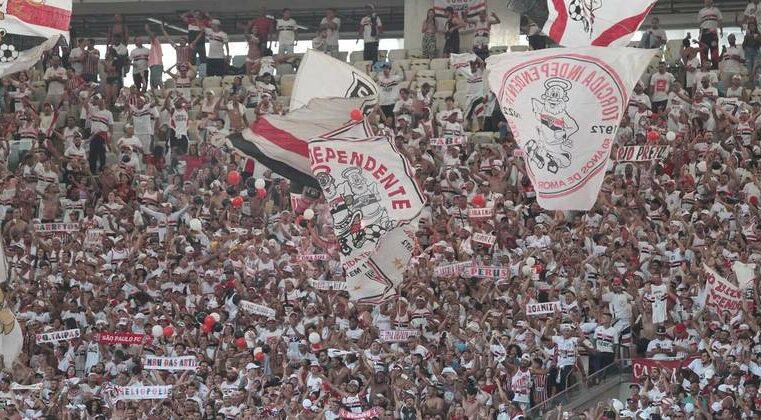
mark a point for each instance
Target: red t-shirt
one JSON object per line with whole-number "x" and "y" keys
{"x": 262, "y": 28}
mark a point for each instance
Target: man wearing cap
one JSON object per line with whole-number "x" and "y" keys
{"x": 389, "y": 85}
{"x": 286, "y": 32}
{"x": 662, "y": 347}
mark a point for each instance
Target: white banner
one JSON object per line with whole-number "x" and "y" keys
{"x": 722, "y": 295}
{"x": 483, "y": 213}
{"x": 372, "y": 193}
{"x": 448, "y": 141}
{"x": 451, "y": 269}
{"x": 579, "y": 23}
{"x": 170, "y": 363}
{"x": 256, "y": 309}
{"x": 328, "y": 285}
{"x": 56, "y": 336}
{"x": 314, "y": 257}
{"x": 489, "y": 272}
{"x": 533, "y": 309}
{"x": 564, "y": 107}
{"x": 397, "y": 336}
{"x": 94, "y": 239}
{"x": 484, "y": 238}
{"x": 642, "y": 153}
{"x": 745, "y": 274}
{"x": 149, "y": 392}
{"x": 322, "y": 76}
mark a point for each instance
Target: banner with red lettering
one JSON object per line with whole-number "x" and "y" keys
{"x": 578, "y": 23}
{"x": 373, "y": 412}
{"x": 447, "y": 141}
{"x": 489, "y": 272}
{"x": 483, "y": 213}
{"x": 375, "y": 202}
{"x": 564, "y": 107}
{"x": 123, "y": 338}
{"x": 722, "y": 295}
{"x": 451, "y": 269}
{"x": 328, "y": 285}
{"x": 641, "y": 367}
{"x": 644, "y": 153}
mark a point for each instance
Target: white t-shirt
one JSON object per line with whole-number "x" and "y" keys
{"x": 217, "y": 41}
{"x": 55, "y": 87}
{"x": 76, "y": 53}
{"x": 661, "y": 83}
{"x": 389, "y": 89}
{"x": 566, "y": 348}
{"x": 100, "y": 120}
{"x": 367, "y": 28}
{"x": 732, "y": 65}
{"x": 709, "y": 18}
{"x": 179, "y": 122}
{"x": 143, "y": 119}
{"x": 333, "y": 35}
{"x": 286, "y": 31}
{"x": 139, "y": 57}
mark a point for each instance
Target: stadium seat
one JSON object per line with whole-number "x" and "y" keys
{"x": 439, "y": 64}
{"x": 211, "y": 81}
{"x": 461, "y": 85}
{"x": 420, "y": 64}
{"x": 445, "y": 85}
{"x": 247, "y": 82}
{"x": 395, "y": 55}
{"x": 416, "y": 53}
{"x": 518, "y": 48}
{"x": 405, "y": 64}
{"x": 196, "y": 92}
{"x": 442, "y": 95}
{"x": 228, "y": 81}
{"x": 239, "y": 61}
{"x": 284, "y": 68}
{"x": 169, "y": 84}
{"x": 426, "y": 76}
{"x": 343, "y": 55}
{"x": 482, "y": 137}
{"x": 356, "y": 56}
{"x": 251, "y": 114}
{"x": 363, "y": 65}
{"x": 461, "y": 100}
{"x": 286, "y": 85}
{"x": 444, "y": 74}
{"x": 498, "y": 49}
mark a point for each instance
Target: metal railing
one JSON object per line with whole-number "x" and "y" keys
{"x": 615, "y": 373}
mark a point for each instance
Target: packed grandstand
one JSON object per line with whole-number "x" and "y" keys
{"x": 461, "y": 231}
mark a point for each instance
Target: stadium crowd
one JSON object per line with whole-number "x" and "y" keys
{"x": 157, "y": 231}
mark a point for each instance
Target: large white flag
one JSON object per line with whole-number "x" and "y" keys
{"x": 745, "y": 274}
{"x": 564, "y": 107}
{"x": 721, "y": 294}
{"x": 375, "y": 202}
{"x": 580, "y": 23}
{"x": 322, "y": 76}
{"x": 28, "y": 29}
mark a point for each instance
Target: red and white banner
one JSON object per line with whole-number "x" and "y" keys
{"x": 170, "y": 363}
{"x": 642, "y": 153}
{"x": 373, "y": 412}
{"x": 337, "y": 79}
{"x": 641, "y": 367}
{"x": 256, "y": 309}
{"x": 580, "y": 23}
{"x": 483, "y": 213}
{"x": 722, "y": 295}
{"x": 281, "y": 142}
{"x": 451, "y": 269}
{"x": 56, "y": 336}
{"x": 123, "y": 338}
{"x": 397, "y": 336}
{"x": 448, "y": 141}
{"x": 94, "y": 239}
{"x": 489, "y": 272}
{"x": 328, "y": 285}
{"x": 29, "y": 28}
{"x": 534, "y": 309}
{"x": 148, "y": 392}
{"x": 375, "y": 202}
{"x": 465, "y": 9}
{"x": 564, "y": 107}
{"x": 484, "y": 238}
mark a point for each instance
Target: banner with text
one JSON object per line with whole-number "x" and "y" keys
{"x": 150, "y": 392}
{"x": 170, "y": 363}
{"x": 56, "y": 336}
{"x": 564, "y": 107}
{"x": 256, "y": 309}
{"x": 123, "y": 338}
{"x": 642, "y": 153}
{"x": 641, "y": 367}
{"x": 722, "y": 295}
{"x": 489, "y": 272}
{"x": 397, "y": 336}
{"x": 534, "y": 309}
{"x": 451, "y": 269}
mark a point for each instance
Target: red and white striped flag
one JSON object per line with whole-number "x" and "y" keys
{"x": 601, "y": 23}
{"x": 281, "y": 143}
{"x": 28, "y": 28}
